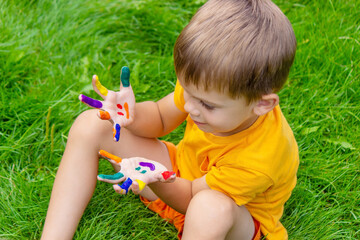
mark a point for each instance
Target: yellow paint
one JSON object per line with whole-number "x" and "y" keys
{"x": 141, "y": 184}
{"x": 103, "y": 90}
{"x": 110, "y": 156}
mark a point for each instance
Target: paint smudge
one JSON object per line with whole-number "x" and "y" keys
{"x": 141, "y": 184}
{"x": 116, "y": 132}
{"x": 126, "y": 106}
{"x": 126, "y": 185}
{"x": 125, "y": 76}
{"x": 104, "y": 115}
{"x": 103, "y": 90}
{"x": 91, "y": 102}
{"x": 167, "y": 174}
{"x": 116, "y": 176}
{"x": 110, "y": 156}
{"x": 147, "y": 164}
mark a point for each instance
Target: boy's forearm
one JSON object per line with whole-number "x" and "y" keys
{"x": 147, "y": 121}
{"x": 156, "y": 119}
{"x": 177, "y": 194}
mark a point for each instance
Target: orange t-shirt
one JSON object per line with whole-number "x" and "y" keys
{"x": 255, "y": 167}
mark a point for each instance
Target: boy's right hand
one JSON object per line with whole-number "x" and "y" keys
{"x": 135, "y": 173}
{"x": 118, "y": 107}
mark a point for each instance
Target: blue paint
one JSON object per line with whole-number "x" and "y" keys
{"x": 117, "y": 132}
{"x": 126, "y": 185}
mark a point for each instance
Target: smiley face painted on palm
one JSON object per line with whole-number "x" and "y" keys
{"x": 135, "y": 173}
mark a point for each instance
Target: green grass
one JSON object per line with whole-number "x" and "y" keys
{"x": 50, "y": 49}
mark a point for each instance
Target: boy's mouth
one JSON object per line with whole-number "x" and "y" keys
{"x": 198, "y": 123}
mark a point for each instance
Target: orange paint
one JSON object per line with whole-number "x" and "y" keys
{"x": 110, "y": 156}
{"x": 126, "y": 106}
{"x": 104, "y": 115}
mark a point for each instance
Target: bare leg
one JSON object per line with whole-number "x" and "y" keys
{"x": 76, "y": 178}
{"x": 213, "y": 215}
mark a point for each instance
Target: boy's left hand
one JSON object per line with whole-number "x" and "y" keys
{"x": 118, "y": 107}
{"x": 135, "y": 173}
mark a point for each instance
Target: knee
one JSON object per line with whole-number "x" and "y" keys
{"x": 215, "y": 204}
{"x": 87, "y": 125}
{"x": 210, "y": 215}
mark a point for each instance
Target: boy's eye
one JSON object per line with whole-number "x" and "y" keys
{"x": 208, "y": 107}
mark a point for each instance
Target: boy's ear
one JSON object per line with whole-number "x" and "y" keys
{"x": 266, "y": 104}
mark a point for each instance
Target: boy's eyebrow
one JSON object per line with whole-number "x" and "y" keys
{"x": 208, "y": 102}
{"x": 201, "y": 99}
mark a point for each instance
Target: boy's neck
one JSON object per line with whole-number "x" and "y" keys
{"x": 245, "y": 125}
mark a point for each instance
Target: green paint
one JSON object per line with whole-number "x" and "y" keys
{"x": 138, "y": 168}
{"x": 143, "y": 171}
{"x": 115, "y": 176}
{"x": 125, "y": 76}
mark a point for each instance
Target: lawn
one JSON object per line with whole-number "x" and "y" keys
{"x": 50, "y": 49}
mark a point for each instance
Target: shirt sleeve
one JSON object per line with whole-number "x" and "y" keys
{"x": 179, "y": 97}
{"x": 241, "y": 184}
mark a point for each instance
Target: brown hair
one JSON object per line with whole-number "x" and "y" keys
{"x": 240, "y": 47}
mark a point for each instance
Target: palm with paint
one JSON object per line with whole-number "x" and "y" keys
{"x": 135, "y": 173}
{"x": 118, "y": 107}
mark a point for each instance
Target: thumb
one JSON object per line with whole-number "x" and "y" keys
{"x": 168, "y": 176}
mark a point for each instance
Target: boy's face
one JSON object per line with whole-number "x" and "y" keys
{"x": 218, "y": 113}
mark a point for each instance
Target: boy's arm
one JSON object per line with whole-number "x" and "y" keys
{"x": 146, "y": 119}
{"x": 156, "y": 119}
{"x": 179, "y": 193}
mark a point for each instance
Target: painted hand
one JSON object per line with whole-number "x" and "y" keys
{"x": 118, "y": 107}
{"x": 135, "y": 173}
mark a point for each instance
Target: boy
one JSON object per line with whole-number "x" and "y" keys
{"x": 236, "y": 165}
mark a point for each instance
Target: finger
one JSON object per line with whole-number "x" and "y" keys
{"x": 98, "y": 88}
{"x": 116, "y": 132}
{"x": 104, "y": 115}
{"x": 110, "y": 157}
{"x": 168, "y": 176}
{"x": 138, "y": 186}
{"x": 124, "y": 187}
{"x": 115, "y": 178}
{"x": 125, "y": 76}
{"x": 90, "y": 102}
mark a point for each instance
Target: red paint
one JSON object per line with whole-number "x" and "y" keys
{"x": 167, "y": 174}
{"x": 120, "y": 113}
{"x": 119, "y": 106}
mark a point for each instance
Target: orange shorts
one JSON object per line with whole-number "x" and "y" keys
{"x": 171, "y": 215}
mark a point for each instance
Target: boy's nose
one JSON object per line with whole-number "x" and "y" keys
{"x": 191, "y": 108}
